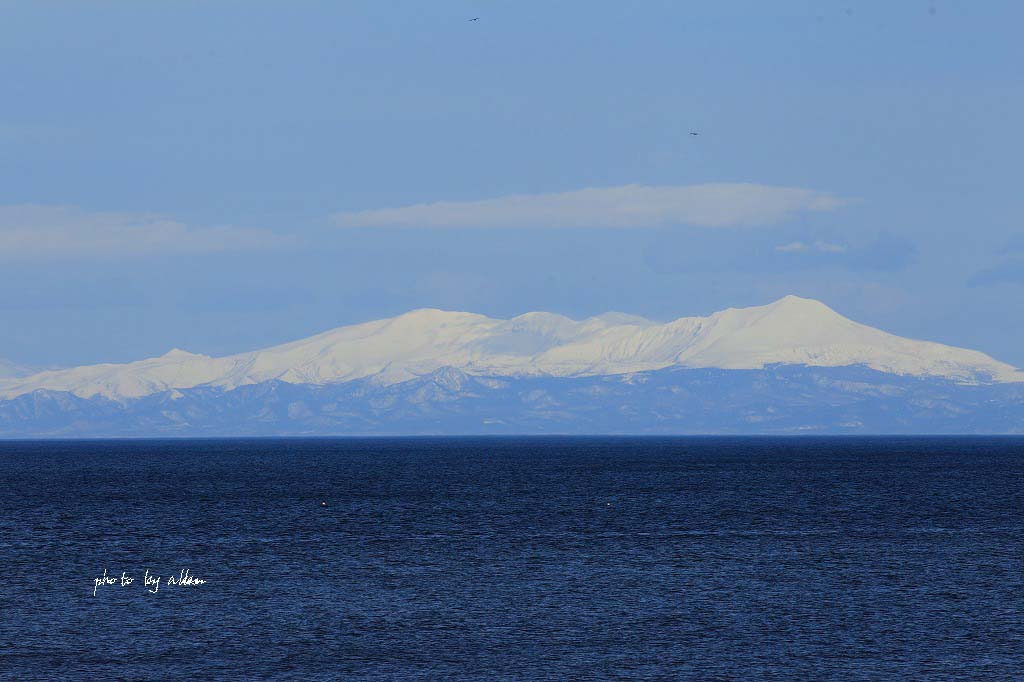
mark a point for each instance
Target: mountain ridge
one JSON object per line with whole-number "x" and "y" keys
{"x": 790, "y": 331}
{"x": 779, "y": 400}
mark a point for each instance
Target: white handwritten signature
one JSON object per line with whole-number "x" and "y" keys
{"x": 150, "y": 582}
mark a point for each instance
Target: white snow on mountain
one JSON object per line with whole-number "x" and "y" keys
{"x": 791, "y": 330}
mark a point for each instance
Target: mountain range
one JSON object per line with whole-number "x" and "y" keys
{"x": 792, "y": 366}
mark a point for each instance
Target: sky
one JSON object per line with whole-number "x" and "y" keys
{"x": 221, "y": 177}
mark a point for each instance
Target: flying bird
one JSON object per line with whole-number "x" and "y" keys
{"x": 693, "y": 133}
{"x": 475, "y": 19}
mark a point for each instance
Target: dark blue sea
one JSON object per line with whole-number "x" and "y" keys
{"x": 546, "y": 558}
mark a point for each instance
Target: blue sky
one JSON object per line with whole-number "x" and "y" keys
{"x": 219, "y": 176}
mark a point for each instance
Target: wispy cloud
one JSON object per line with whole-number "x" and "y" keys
{"x": 884, "y": 252}
{"x": 1016, "y": 243}
{"x": 1010, "y": 272}
{"x": 1009, "y": 269}
{"x": 32, "y": 232}
{"x": 710, "y": 205}
{"x": 805, "y": 247}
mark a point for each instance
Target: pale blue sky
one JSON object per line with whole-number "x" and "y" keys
{"x": 172, "y": 173}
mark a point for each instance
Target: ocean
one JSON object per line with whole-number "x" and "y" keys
{"x": 513, "y": 558}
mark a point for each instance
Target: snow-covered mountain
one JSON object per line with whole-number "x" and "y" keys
{"x": 790, "y": 331}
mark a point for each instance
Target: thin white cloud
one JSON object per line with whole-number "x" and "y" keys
{"x": 802, "y": 247}
{"x": 32, "y": 232}
{"x": 792, "y": 247}
{"x": 711, "y": 205}
{"x": 826, "y": 247}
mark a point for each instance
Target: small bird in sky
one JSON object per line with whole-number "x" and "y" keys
{"x": 693, "y": 133}
{"x": 475, "y": 19}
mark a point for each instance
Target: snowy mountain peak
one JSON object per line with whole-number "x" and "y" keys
{"x": 791, "y": 330}
{"x": 177, "y": 353}
{"x": 435, "y": 316}
{"x": 792, "y": 300}
{"x": 615, "y": 319}
{"x": 791, "y": 308}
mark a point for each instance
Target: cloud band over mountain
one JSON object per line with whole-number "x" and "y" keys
{"x": 718, "y": 205}
{"x": 32, "y": 232}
